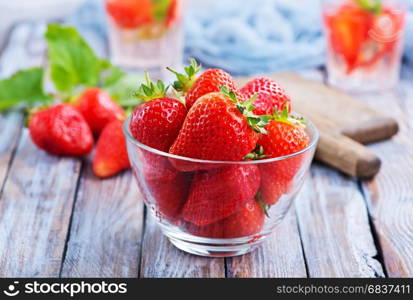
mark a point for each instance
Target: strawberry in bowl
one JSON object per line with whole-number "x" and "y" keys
{"x": 218, "y": 165}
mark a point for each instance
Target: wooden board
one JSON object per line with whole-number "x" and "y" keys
{"x": 160, "y": 259}
{"x": 281, "y": 255}
{"x": 389, "y": 195}
{"x": 344, "y": 123}
{"x": 107, "y": 218}
{"x": 35, "y": 210}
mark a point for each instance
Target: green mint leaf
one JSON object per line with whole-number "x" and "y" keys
{"x": 110, "y": 74}
{"x": 72, "y": 62}
{"x": 123, "y": 91}
{"x": 373, "y": 6}
{"x": 23, "y": 88}
{"x": 160, "y": 9}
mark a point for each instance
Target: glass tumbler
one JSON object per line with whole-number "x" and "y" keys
{"x": 218, "y": 208}
{"x": 364, "y": 43}
{"x": 145, "y": 35}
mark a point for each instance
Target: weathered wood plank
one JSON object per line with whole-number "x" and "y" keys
{"x": 334, "y": 224}
{"x": 105, "y": 234}
{"x": 161, "y": 259}
{"x": 390, "y": 193}
{"x": 35, "y": 209}
{"x": 280, "y": 255}
{"x": 15, "y": 56}
{"x": 10, "y": 124}
{"x": 38, "y": 193}
{"x": 335, "y": 228}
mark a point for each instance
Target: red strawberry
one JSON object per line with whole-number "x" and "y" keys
{"x": 210, "y": 81}
{"x": 111, "y": 155}
{"x": 169, "y": 195}
{"x": 217, "y": 127}
{"x": 130, "y": 14}
{"x": 219, "y": 193}
{"x": 174, "y": 12}
{"x": 157, "y": 122}
{"x": 270, "y": 95}
{"x": 285, "y": 136}
{"x": 348, "y": 29}
{"x": 61, "y": 130}
{"x": 248, "y": 221}
{"x": 98, "y": 109}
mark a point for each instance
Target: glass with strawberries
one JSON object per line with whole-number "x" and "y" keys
{"x": 364, "y": 43}
{"x": 145, "y": 34}
{"x": 220, "y": 169}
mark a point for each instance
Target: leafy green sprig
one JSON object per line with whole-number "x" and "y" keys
{"x": 72, "y": 65}
{"x": 257, "y": 122}
{"x": 185, "y": 81}
{"x": 374, "y": 6}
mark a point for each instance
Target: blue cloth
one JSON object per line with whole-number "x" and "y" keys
{"x": 257, "y": 36}
{"x": 244, "y": 37}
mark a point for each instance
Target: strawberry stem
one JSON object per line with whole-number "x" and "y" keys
{"x": 256, "y": 122}
{"x": 287, "y": 118}
{"x": 185, "y": 81}
{"x": 265, "y": 207}
{"x": 258, "y": 153}
{"x": 149, "y": 90}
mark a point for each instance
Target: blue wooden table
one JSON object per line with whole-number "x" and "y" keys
{"x": 57, "y": 219}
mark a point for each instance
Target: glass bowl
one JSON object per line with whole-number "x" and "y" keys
{"x": 218, "y": 208}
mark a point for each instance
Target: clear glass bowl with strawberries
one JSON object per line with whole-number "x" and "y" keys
{"x": 145, "y": 34}
{"x": 364, "y": 43}
{"x": 220, "y": 166}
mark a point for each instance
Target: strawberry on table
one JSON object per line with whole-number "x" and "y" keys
{"x": 286, "y": 135}
{"x": 111, "y": 155}
{"x": 217, "y": 127}
{"x": 98, "y": 109}
{"x": 270, "y": 95}
{"x": 219, "y": 193}
{"x": 248, "y": 221}
{"x": 61, "y": 130}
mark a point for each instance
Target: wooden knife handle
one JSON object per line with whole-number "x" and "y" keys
{"x": 347, "y": 155}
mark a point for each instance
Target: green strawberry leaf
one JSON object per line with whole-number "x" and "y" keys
{"x": 285, "y": 117}
{"x": 23, "y": 88}
{"x": 71, "y": 60}
{"x": 373, "y": 6}
{"x": 110, "y": 74}
{"x": 124, "y": 89}
{"x": 185, "y": 81}
{"x": 149, "y": 90}
{"x": 265, "y": 207}
{"x": 258, "y": 153}
{"x": 256, "y": 122}
{"x": 160, "y": 9}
